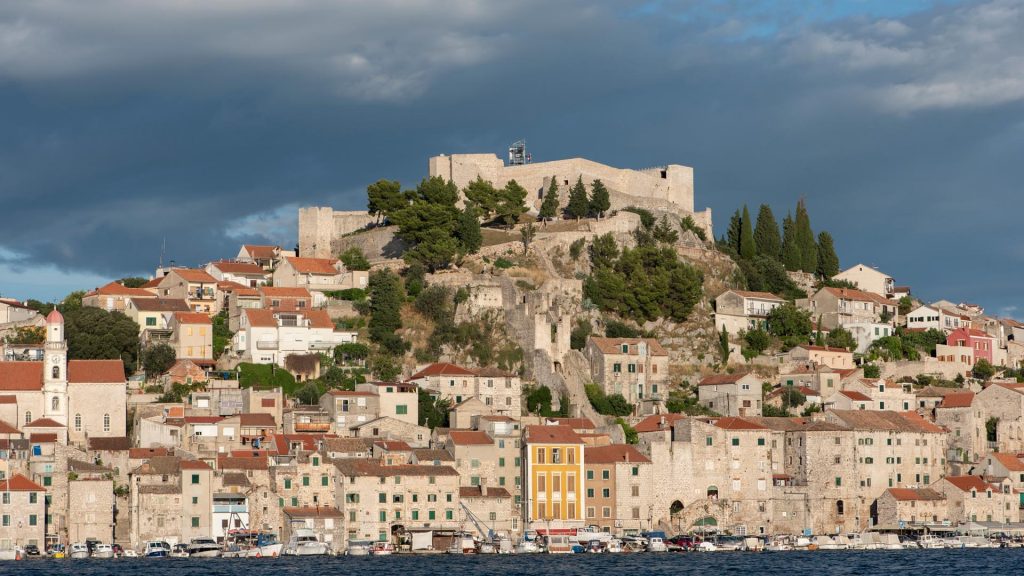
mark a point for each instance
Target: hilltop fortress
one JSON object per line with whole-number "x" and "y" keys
{"x": 663, "y": 188}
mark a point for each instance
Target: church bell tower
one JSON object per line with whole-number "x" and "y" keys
{"x": 55, "y": 370}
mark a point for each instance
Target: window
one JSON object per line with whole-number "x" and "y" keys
{"x": 324, "y": 480}
{"x": 501, "y": 462}
{"x": 632, "y": 368}
{"x": 617, "y": 368}
{"x": 760, "y": 441}
{"x": 590, "y": 492}
{"x": 431, "y": 515}
{"x": 195, "y": 478}
{"x": 28, "y": 417}
{"x": 195, "y": 521}
{"x": 33, "y": 497}
{"x": 106, "y": 422}
{"x": 78, "y": 422}
{"x": 839, "y": 481}
{"x": 6, "y": 520}
{"x": 316, "y": 460}
{"x": 305, "y": 480}
{"x": 401, "y": 409}
{"x": 540, "y": 456}
{"x": 150, "y": 321}
{"x": 449, "y": 515}
{"x": 735, "y": 441}
{"x": 709, "y": 441}
{"x": 33, "y": 520}
{"x": 605, "y": 474}
{"x": 415, "y": 514}
{"x": 636, "y": 470}
{"x": 382, "y": 498}
{"x": 287, "y": 483}
{"x": 195, "y": 499}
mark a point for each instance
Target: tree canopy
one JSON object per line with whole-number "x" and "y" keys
{"x": 94, "y": 333}
{"x": 386, "y": 297}
{"x": 354, "y": 259}
{"x": 157, "y": 359}
{"x": 599, "y": 200}
{"x": 429, "y": 223}
{"x": 384, "y": 198}
{"x": 766, "y": 234}
{"x": 549, "y": 206}
{"x": 578, "y": 205}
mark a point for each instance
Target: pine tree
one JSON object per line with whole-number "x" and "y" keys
{"x": 549, "y": 207}
{"x": 510, "y": 204}
{"x": 828, "y": 261}
{"x": 735, "y": 232}
{"x": 484, "y": 195}
{"x": 599, "y": 201}
{"x": 766, "y": 234}
{"x": 790, "y": 250}
{"x": 747, "y": 248}
{"x": 468, "y": 230}
{"x": 578, "y": 204}
{"x": 805, "y": 239}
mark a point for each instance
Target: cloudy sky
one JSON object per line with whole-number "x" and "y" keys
{"x": 205, "y": 123}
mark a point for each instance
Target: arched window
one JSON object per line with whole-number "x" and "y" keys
{"x": 839, "y": 507}
{"x": 106, "y": 422}
{"x": 78, "y": 422}
{"x": 56, "y": 372}
{"x": 28, "y": 417}
{"x": 55, "y": 404}
{"x": 712, "y": 492}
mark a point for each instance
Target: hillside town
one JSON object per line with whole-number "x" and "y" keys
{"x": 508, "y": 352}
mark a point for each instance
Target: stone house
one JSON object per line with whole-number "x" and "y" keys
{"x": 492, "y": 507}
{"x": 836, "y": 307}
{"x": 619, "y": 489}
{"x": 269, "y": 336}
{"x": 267, "y": 257}
{"x": 475, "y": 458}
{"x": 507, "y": 436}
{"x": 91, "y": 508}
{"x": 192, "y": 336}
{"x": 376, "y": 499}
{"x": 348, "y": 408}
{"x": 196, "y": 287}
{"x": 396, "y": 400}
{"x": 23, "y": 510}
{"x": 967, "y": 434}
{"x": 815, "y": 376}
{"x": 114, "y": 297}
{"x": 737, "y": 394}
{"x": 196, "y": 499}
{"x": 911, "y": 506}
{"x": 247, "y": 274}
{"x": 974, "y": 499}
{"x": 324, "y": 521}
{"x": 636, "y": 368}
{"x": 152, "y": 315}
{"x": 834, "y": 358}
{"x": 392, "y": 428}
{"x": 865, "y": 333}
{"x": 849, "y": 400}
{"x": 926, "y": 317}
{"x": 465, "y": 413}
{"x": 321, "y": 274}
{"x": 1004, "y": 403}
{"x": 1003, "y": 465}
{"x": 869, "y": 279}
{"x": 305, "y": 481}
{"x": 501, "y": 392}
{"x": 741, "y": 310}
{"x": 554, "y": 471}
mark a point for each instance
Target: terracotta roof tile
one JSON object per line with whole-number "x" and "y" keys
{"x": 261, "y": 252}
{"x": 96, "y": 372}
{"x": 283, "y": 292}
{"x": 552, "y": 435}
{"x": 478, "y": 492}
{"x": 957, "y": 400}
{"x": 574, "y": 423}
{"x": 240, "y": 268}
{"x": 1011, "y": 462}
{"x": 192, "y": 318}
{"x": 312, "y": 512}
{"x": 753, "y": 294}
{"x": 8, "y": 399}
{"x": 234, "y": 463}
{"x": 19, "y": 483}
{"x": 118, "y": 289}
{"x": 257, "y": 419}
{"x": 364, "y": 467}
{"x": 8, "y": 430}
{"x": 908, "y": 494}
{"x": 442, "y": 369}
{"x": 44, "y": 423}
{"x": 469, "y": 438}
{"x": 194, "y": 465}
{"x": 653, "y": 423}
{"x": 854, "y": 395}
{"x": 48, "y": 438}
{"x": 732, "y": 423}
{"x": 193, "y": 275}
{"x": 966, "y": 483}
{"x": 160, "y": 305}
{"x": 318, "y": 266}
{"x": 21, "y": 375}
{"x": 823, "y": 348}
{"x": 428, "y": 455}
{"x": 722, "y": 379}
{"x": 113, "y": 444}
{"x": 145, "y": 453}
{"x": 613, "y": 454}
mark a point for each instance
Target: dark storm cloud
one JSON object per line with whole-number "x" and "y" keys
{"x": 208, "y": 123}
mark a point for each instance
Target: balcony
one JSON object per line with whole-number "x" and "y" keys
{"x": 230, "y": 509}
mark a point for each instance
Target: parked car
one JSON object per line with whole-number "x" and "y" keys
{"x": 32, "y": 550}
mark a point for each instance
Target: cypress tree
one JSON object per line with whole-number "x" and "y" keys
{"x": 828, "y": 261}
{"x": 747, "y": 248}
{"x": 766, "y": 234}
{"x": 549, "y": 207}
{"x": 578, "y": 203}
{"x": 735, "y": 232}
{"x": 468, "y": 230}
{"x": 599, "y": 201}
{"x": 790, "y": 250}
{"x": 805, "y": 239}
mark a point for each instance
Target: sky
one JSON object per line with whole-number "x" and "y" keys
{"x": 201, "y": 124}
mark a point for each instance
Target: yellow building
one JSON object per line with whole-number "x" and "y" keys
{"x": 554, "y": 475}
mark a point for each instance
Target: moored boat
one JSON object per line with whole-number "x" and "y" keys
{"x": 156, "y": 549}
{"x": 203, "y": 548}
{"x": 179, "y": 551}
{"x": 358, "y": 548}
{"x": 78, "y": 550}
{"x": 303, "y": 542}
{"x": 381, "y": 549}
{"x": 102, "y": 550}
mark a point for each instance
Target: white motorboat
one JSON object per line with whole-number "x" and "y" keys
{"x": 656, "y": 544}
{"x": 614, "y": 546}
{"x": 889, "y": 542}
{"x": 588, "y": 533}
{"x": 560, "y": 544}
{"x": 825, "y": 542}
{"x": 462, "y": 544}
{"x": 179, "y": 551}
{"x": 381, "y": 548}
{"x": 78, "y": 550}
{"x": 11, "y": 554}
{"x": 203, "y": 548}
{"x": 129, "y": 553}
{"x": 528, "y": 547}
{"x": 101, "y": 550}
{"x": 157, "y": 549}
{"x": 706, "y": 546}
{"x": 303, "y": 542}
{"x": 358, "y": 548}
{"x": 931, "y": 541}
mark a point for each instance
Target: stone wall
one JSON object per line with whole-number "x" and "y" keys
{"x": 319, "y": 226}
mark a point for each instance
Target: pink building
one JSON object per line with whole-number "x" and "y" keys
{"x": 979, "y": 341}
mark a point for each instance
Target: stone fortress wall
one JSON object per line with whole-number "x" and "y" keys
{"x": 664, "y": 188}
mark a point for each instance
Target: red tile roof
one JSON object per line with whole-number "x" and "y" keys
{"x": 854, "y": 395}
{"x": 319, "y": 319}
{"x": 7, "y": 430}
{"x": 957, "y": 400}
{"x": 260, "y": 318}
{"x": 823, "y": 348}
{"x": 194, "y": 465}
{"x": 966, "y": 483}
{"x": 722, "y": 379}
{"x": 257, "y": 419}
{"x": 146, "y": 453}
{"x": 319, "y": 266}
{"x": 21, "y": 375}
{"x": 653, "y": 423}
{"x": 283, "y": 292}
{"x": 247, "y": 463}
{"x": 160, "y": 305}
{"x": 732, "y": 423}
{"x": 19, "y": 483}
{"x": 908, "y": 494}
{"x": 552, "y": 435}
{"x": 44, "y": 423}
{"x": 469, "y": 438}
{"x": 613, "y": 454}
{"x": 259, "y": 251}
{"x": 858, "y": 295}
{"x": 8, "y": 399}
{"x": 203, "y": 419}
{"x": 574, "y": 423}
{"x": 614, "y": 345}
{"x": 394, "y": 445}
{"x": 96, "y": 372}
{"x": 118, "y": 289}
{"x": 442, "y": 369}
{"x": 478, "y": 492}
{"x": 48, "y": 438}
{"x": 114, "y": 443}
{"x": 349, "y": 393}
{"x": 753, "y": 294}
{"x": 364, "y": 467}
{"x": 1011, "y": 462}
{"x": 193, "y": 275}
{"x": 192, "y": 318}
